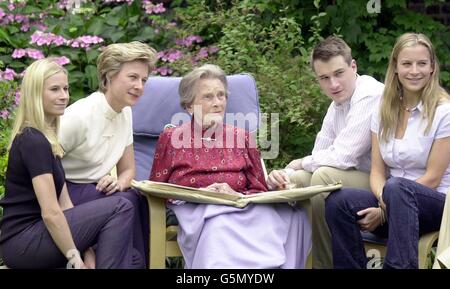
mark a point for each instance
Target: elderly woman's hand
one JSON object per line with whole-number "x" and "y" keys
{"x": 108, "y": 184}
{"x": 221, "y": 188}
{"x": 278, "y": 180}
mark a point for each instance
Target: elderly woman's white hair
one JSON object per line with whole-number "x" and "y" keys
{"x": 188, "y": 83}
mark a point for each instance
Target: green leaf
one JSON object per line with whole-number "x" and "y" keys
{"x": 55, "y": 12}
{"x": 76, "y": 77}
{"x": 13, "y": 29}
{"x": 17, "y": 65}
{"x": 5, "y": 37}
{"x": 31, "y": 9}
{"x": 91, "y": 75}
{"x": 92, "y": 55}
{"x": 96, "y": 26}
{"x": 117, "y": 35}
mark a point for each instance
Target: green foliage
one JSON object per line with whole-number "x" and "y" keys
{"x": 7, "y": 91}
{"x": 372, "y": 36}
{"x": 112, "y": 22}
{"x": 276, "y": 53}
{"x": 272, "y": 40}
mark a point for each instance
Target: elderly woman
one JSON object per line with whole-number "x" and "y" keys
{"x": 218, "y": 236}
{"x": 96, "y": 133}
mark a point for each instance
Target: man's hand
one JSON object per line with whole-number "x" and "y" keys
{"x": 295, "y": 165}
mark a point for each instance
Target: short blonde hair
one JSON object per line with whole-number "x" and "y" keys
{"x": 31, "y": 109}
{"x": 188, "y": 83}
{"x": 110, "y": 61}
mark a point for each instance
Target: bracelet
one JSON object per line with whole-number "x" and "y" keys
{"x": 383, "y": 215}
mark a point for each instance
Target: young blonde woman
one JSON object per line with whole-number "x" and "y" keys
{"x": 410, "y": 163}
{"x": 40, "y": 227}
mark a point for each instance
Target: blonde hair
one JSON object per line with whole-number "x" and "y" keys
{"x": 31, "y": 109}
{"x": 186, "y": 89}
{"x": 111, "y": 59}
{"x": 431, "y": 96}
{"x": 330, "y": 47}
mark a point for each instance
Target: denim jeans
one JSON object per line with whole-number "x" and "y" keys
{"x": 412, "y": 210}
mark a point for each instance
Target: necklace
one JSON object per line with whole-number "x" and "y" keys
{"x": 405, "y": 107}
{"x": 208, "y": 139}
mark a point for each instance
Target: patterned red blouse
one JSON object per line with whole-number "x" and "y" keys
{"x": 187, "y": 157}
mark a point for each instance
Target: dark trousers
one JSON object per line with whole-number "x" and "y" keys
{"x": 412, "y": 210}
{"x": 82, "y": 193}
{"x": 106, "y": 223}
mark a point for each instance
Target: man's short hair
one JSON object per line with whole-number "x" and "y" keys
{"x": 330, "y": 47}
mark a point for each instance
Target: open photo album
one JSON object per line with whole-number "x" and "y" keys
{"x": 171, "y": 191}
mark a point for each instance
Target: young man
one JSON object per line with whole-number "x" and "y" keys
{"x": 342, "y": 148}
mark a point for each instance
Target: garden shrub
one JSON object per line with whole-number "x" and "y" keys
{"x": 8, "y": 101}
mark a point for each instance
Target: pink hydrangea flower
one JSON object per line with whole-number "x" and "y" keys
{"x": 19, "y": 53}
{"x": 8, "y": 74}
{"x": 163, "y": 70}
{"x": 203, "y": 53}
{"x": 151, "y": 8}
{"x": 35, "y": 54}
{"x": 63, "y": 60}
{"x": 17, "y": 97}
{"x": 85, "y": 41}
{"x": 25, "y": 27}
{"x": 32, "y": 53}
{"x": 174, "y": 56}
{"x": 188, "y": 41}
{"x": 4, "y": 114}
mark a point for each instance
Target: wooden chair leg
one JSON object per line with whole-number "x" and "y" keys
{"x": 426, "y": 242}
{"x": 157, "y": 244}
{"x": 306, "y": 204}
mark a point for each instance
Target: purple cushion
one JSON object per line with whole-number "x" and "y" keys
{"x": 161, "y": 101}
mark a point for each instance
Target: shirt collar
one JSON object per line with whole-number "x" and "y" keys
{"x": 419, "y": 106}
{"x": 108, "y": 111}
{"x": 348, "y": 101}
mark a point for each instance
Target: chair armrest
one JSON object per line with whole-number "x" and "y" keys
{"x": 157, "y": 213}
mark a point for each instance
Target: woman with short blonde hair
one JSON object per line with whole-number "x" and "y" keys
{"x": 97, "y": 133}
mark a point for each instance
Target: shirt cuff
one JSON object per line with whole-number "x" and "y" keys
{"x": 307, "y": 164}
{"x": 289, "y": 171}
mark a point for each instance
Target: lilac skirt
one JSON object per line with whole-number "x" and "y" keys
{"x": 259, "y": 236}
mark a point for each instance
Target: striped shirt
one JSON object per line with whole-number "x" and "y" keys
{"x": 344, "y": 141}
